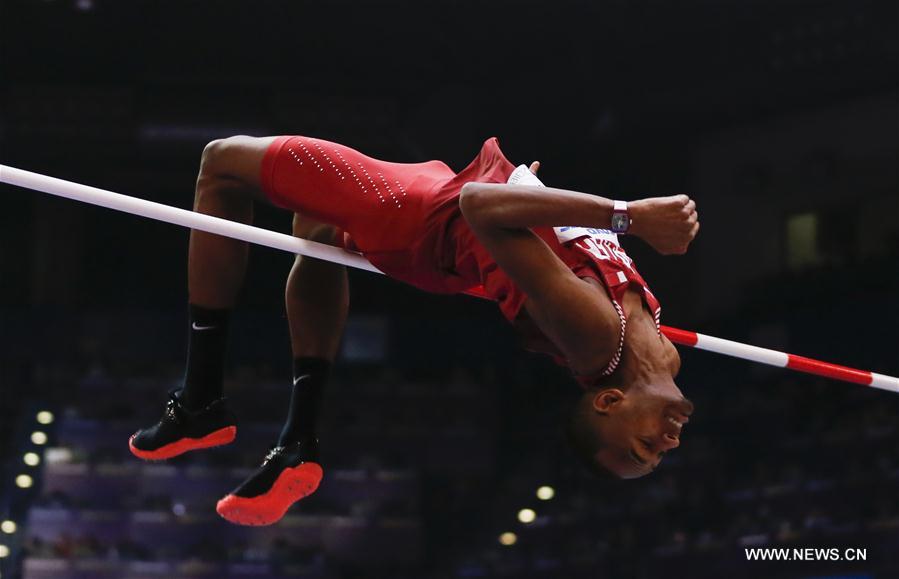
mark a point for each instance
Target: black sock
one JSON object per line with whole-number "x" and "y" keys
{"x": 309, "y": 378}
{"x": 208, "y": 333}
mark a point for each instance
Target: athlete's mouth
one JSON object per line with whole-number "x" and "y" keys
{"x": 677, "y": 417}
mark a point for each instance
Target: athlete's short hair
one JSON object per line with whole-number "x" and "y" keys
{"x": 585, "y": 439}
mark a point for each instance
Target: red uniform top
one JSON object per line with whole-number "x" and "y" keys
{"x": 463, "y": 264}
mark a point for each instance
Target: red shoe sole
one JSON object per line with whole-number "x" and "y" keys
{"x": 218, "y": 438}
{"x": 291, "y": 485}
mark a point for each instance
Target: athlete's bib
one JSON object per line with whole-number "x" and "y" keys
{"x": 566, "y": 234}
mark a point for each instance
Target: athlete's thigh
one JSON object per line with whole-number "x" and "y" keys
{"x": 382, "y": 205}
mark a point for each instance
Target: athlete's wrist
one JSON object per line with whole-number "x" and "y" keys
{"x": 637, "y": 212}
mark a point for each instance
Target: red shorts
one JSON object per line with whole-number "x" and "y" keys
{"x": 382, "y": 206}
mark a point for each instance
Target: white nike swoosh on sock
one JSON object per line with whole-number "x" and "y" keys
{"x": 297, "y": 380}
{"x": 196, "y": 327}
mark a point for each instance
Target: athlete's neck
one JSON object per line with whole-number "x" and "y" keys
{"x": 646, "y": 357}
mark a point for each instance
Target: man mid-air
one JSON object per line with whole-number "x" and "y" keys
{"x": 549, "y": 258}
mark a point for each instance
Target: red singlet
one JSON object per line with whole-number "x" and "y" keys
{"x": 405, "y": 219}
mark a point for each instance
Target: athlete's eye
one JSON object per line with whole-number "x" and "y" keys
{"x": 637, "y": 458}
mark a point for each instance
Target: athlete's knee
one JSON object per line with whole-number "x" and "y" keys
{"x": 211, "y": 161}
{"x": 217, "y": 192}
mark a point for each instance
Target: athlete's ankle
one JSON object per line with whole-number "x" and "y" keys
{"x": 208, "y": 333}
{"x": 196, "y": 404}
{"x": 310, "y": 375}
{"x": 303, "y": 439}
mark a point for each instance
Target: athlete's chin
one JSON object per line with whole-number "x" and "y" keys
{"x": 635, "y": 475}
{"x": 628, "y": 473}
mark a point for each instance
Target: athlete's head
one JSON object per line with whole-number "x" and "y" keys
{"x": 623, "y": 432}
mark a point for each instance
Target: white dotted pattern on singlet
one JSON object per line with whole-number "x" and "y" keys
{"x": 389, "y": 190}
{"x": 330, "y": 161}
{"x": 309, "y": 148}
{"x": 373, "y": 184}
{"x": 351, "y": 171}
{"x": 400, "y": 187}
{"x": 311, "y": 157}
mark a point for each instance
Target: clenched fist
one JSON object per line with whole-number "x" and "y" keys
{"x": 668, "y": 224}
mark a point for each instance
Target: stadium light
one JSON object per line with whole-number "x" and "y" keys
{"x": 4, "y": 551}
{"x": 527, "y": 516}
{"x": 45, "y": 417}
{"x": 38, "y": 437}
{"x": 23, "y": 481}
{"x": 508, "y": 539}
{"x": 31, "y": 458}
{"x": 545, "y": 493}
{"x": 8, "y": 527}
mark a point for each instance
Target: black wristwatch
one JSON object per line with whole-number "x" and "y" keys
{"x": 621, "y": 221}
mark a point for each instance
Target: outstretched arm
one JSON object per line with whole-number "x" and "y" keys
{"x": 576, "y": 316}
{"x": 668, "y": 224}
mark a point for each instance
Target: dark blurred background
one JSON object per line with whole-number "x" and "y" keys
{"x": 781, "y": 118}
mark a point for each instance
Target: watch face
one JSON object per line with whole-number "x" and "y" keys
{"x": 619, "y": 222}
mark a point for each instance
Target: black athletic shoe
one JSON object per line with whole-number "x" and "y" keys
{"x": 287, "y": 474}
{"x": 181, "y": 430}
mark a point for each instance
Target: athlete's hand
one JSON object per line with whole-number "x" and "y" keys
{"x": 535, "y": 166}
{"x": 668, "y": 224}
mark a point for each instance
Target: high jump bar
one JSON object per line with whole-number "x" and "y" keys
{"x": 289, "y": 243}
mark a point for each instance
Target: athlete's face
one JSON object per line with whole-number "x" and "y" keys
{"x": 639, "y": 427}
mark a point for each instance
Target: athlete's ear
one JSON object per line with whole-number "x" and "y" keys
{"x": 607, "y": 400}
{"x": 535, "y": 166}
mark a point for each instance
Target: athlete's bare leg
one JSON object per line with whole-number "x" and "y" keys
{"x": 197, "y": 417}
{"x": 227, "y": 186}
{"x": 317, "y": 299}
{"x": 317, "y": 296}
